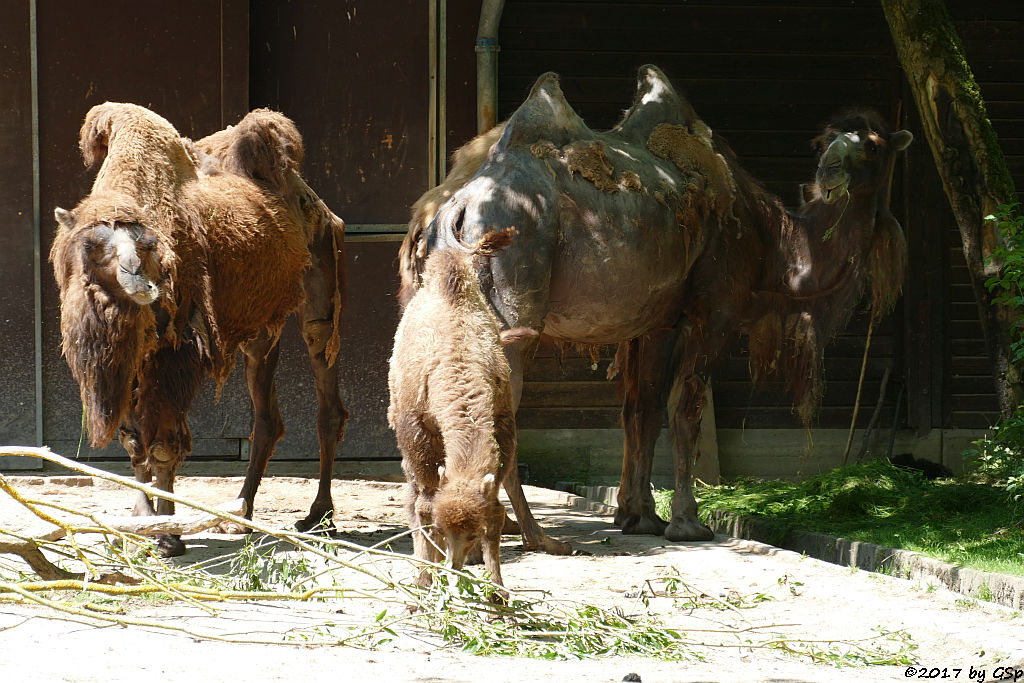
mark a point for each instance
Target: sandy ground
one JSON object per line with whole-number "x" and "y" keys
{"x": 782, "y": 594}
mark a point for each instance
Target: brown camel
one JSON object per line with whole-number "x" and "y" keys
{"x": 652, "y": 237}
{"x": 181, "y": 255}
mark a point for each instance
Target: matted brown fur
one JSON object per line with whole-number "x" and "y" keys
{"x": 183, "y": 254}
{"x": 231, "y": 256}
{"x": 709, "y": 173}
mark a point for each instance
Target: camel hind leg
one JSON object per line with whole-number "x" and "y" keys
{"x": 261, "y": 356}
{"x": 534, "y": 537}
{"x": 319, "y": 318}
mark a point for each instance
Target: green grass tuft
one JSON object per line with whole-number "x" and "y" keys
{"x": 971, "y": 524}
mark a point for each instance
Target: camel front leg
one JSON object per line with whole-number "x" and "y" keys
{"x": 491, "y": 542}
{"x": 129, "y": 438}
{"x": 534, "y": 537}
{"x": 165, "y": 465}
{"x": 642, "y": 371}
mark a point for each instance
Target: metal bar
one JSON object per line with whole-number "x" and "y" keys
{"x": 37, "y": 237}
{"x": 432, "y": 164}
{"x": 351, "y": 228}
{"x": 442, "y": 94}
{"x": 487, "y": 64}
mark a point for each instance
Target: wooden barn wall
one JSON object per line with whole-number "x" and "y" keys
{"x": 355, "y": 77}
{"x": 763, "y": 75}
{"x": 363, "y": 106}
{"x": 17, "y": 307}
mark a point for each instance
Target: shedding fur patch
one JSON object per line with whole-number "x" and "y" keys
{"x": 588, "y": 158}
{"x": 711, "y": 187}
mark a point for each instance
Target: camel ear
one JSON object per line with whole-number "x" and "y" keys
{"x": 487, "y": 484}
{"x": 65, "y": 219}
{"x": 440, "y": 474}
{"x": 808, "y": 193}
{"x": 900, "y": 140}
{"x": 515, "y": 334}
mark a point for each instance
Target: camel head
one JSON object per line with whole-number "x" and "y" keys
{"x": 120, "y": 257}
{"x": 461, "y": 509}
{"x": 108, "y": 273}
{"x": 855, "y": 155}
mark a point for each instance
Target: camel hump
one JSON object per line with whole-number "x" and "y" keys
{"x": 545, "y": 115}
{"x": 104, "y": 121}
{"x": 264, "y": 146}
{"x": 655, "y": 102}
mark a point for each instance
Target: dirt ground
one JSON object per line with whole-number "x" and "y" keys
{"x": 781, "y": 594}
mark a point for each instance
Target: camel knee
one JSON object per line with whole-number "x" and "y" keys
{"x": 331, "y": 419}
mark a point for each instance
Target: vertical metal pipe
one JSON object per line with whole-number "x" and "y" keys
{"x": 487, "y": 64}
{"x": 37, "y": 237}
{"x": 442, "y": 91}
{"x": 432, "y": 164}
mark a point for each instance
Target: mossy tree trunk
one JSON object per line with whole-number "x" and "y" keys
{"x": 971, "y": 164}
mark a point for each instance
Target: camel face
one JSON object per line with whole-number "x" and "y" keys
{"x": 120, "y": 257}
{"x": 128, "y": 251}
{"x": 855, "y": 159}
{"x": 833, "y": 174}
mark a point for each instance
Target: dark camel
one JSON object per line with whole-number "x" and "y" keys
{"x": 652, "y": 237}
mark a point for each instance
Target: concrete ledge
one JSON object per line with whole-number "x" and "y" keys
{"x": 1003, "y": 589}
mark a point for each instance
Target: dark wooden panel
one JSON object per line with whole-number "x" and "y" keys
{"x": 555, "y": 394}
{"x": 17, "y": 379}
{"x": 568, "y": 418}
{"x": 368, "y": 328}
{"x": 355, "y": 78}
{"x": 460, "y": 105}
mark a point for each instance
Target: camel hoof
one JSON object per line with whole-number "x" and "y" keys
{"x": 231, "y": 528}
{"x": 170, "y": 546}
{"x": 511, "y": 527}
{"x": 688, "y": 530}
{"x": 635, "y": 525}
{"x": 316, "y": 522}
{"x": 552, "y": 546}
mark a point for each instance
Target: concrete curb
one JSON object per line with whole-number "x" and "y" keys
{"x": 1002, "y": 589}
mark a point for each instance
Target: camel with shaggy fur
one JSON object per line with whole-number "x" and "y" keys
{"x": 183, "y": 254}
{"x": 652, "y": 237}
{"x": 451, "y": 409}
